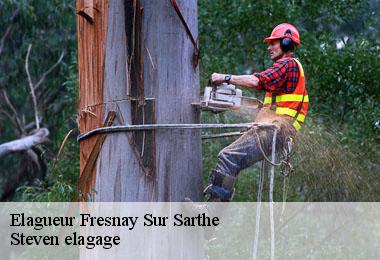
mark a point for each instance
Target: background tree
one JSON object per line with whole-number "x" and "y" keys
{"x": 37, "y": 89}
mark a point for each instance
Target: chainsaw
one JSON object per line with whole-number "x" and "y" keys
{"x": 226, "y": 97}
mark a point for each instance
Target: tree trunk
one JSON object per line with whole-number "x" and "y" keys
{"x": 135, "y": 58}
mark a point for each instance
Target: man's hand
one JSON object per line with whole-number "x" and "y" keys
{"x": 217, "y": 78}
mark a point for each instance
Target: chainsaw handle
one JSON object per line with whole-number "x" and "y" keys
{"x": 214, "y": 87}
{"x": 209, "y": 83}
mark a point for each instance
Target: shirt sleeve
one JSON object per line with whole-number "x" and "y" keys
{"x": 282, "y": 76}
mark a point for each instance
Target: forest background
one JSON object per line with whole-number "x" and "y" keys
{"x": 337, "y": 155}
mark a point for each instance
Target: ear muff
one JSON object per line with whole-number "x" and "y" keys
{"x": 286, "y": 43}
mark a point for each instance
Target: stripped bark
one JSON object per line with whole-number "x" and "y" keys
{"x": 91, "y": 29}
{"x": 25, "y": 143}
{"x": 136, "y": 58}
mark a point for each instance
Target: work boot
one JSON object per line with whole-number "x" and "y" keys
{"x": 215, "y": 193}
{"x": 221, "y": 188}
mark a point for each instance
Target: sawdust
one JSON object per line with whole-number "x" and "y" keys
{"x": 266, "y": 115}
{"x": 246, "y": 114}
{"x": 330, "y": 171}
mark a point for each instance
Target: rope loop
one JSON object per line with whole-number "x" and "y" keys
{"x": 286, "y": 166}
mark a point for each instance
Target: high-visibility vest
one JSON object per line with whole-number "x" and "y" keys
{"x": 290, "y": 103}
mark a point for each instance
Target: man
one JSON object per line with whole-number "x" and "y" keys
{"x": 285, "y": 106}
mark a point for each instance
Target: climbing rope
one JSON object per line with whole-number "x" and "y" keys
{"x": 286, "y": 169}
{"x": 285, "y": 188}
{"x": 259, "y": 195}
{"x": 286, "y": 166}
{"x": 262, "y": 150}
{"x": 258, "y": 211}
{"x": 147, "y": 127}
{"x": 271, "y": 186}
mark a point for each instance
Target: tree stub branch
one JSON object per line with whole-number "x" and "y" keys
{"x": 25, "y": 143}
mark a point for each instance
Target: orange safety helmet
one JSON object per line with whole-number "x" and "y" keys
{"x": 285, "y": 30}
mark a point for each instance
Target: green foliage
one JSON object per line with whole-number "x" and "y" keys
{"x": 62, "y": 176}
{"x": 50, "y": 27}
{"x": 339, "y": 150}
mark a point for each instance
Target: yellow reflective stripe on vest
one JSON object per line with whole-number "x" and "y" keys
{"x": 301, "y": 118}
{"x": 287, "y": 98}
{"x": 297, "y": 125}
{"x": 290, "y": 112}
{"x": 299, "y": 66}
{"x": 267, "y": 100}
{"x": 286, "y": 111}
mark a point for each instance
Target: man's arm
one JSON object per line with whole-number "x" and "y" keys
{"x": 282, "y": 76}
{"x": 247, "y": 81}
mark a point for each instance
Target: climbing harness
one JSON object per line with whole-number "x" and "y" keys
{"x": 286, "y": 166}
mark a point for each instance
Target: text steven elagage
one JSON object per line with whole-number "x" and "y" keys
{"x": 87, "y": 220}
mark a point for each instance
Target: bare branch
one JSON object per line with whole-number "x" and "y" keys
{"x": 42, "y": 162}
{"x": 14, "y": 123}
{"x": 34, "y": 157}
{"x": 49, "y": 70}
{"x": 29, "y": 126}
{"x": 9, "y": 103}
{"x": 8, "y": 30}
{"x": 32, "y": 87}
{"x": 61, "y": 148}
{"x": 15, "y": 13}
{"x": 24, "y": 143}
{"x": 2, "y": 41}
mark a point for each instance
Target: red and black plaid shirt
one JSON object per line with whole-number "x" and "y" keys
{"x": 281, "y": 77}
